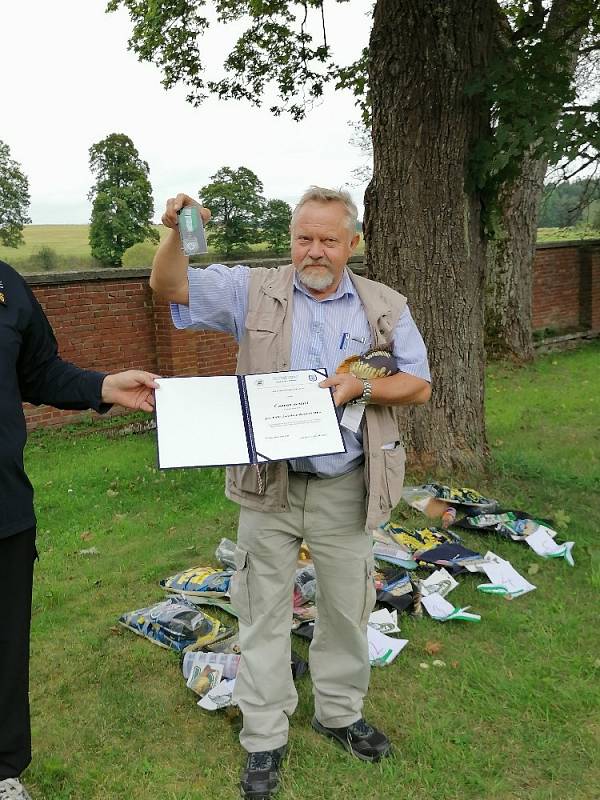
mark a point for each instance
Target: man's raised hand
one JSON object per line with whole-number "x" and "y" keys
{"x": 175, "y": 204}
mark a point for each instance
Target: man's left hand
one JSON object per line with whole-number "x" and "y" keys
{"x": 346, "y": 387}
{"x": 131, "y": 389}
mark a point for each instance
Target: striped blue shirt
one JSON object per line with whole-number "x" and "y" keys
{"x": 219, "y": 301}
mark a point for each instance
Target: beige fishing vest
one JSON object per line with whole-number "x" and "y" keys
{"x": 266, "y": 347}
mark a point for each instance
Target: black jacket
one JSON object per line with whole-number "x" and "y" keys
{"x": 31, "y": 370}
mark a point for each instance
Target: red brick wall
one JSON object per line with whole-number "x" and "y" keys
{"x": 191, "y": 352}
{"x": 109, "y": 320}
{"x": 99, "y": 324}
{"x": 557, "y": 287}
{"x": 591, "y": 288}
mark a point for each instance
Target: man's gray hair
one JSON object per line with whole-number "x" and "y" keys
{"x": 319, "y": 195}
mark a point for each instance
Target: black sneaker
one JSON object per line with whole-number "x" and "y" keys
{"x": 360, "y": 739}
{"x": 260, "y": 777}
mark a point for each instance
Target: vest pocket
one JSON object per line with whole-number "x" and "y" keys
{"x": 261, "y": 328}
{"x": 238, "y": 586}
{"x": 263, "y": 321}
{"x": 261, "y": 342}
{"x": 252, "y": 479}
{"x": 394, "y": 462}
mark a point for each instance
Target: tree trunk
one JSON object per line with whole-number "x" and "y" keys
{"x": 422, "y": 227}
{"x": 508, "y": 328}
{"x": 508, "y": 314}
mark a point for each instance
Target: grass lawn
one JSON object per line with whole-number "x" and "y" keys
{"x": 512, "y": 716}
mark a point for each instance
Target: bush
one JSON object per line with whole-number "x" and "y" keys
{"x": 46, "y": 259}
{"x": 139, "y": 255}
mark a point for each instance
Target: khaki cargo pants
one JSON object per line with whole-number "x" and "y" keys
{"x": 329, "y": 514}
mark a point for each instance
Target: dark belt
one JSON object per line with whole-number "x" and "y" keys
{"x": 308, "y": 475}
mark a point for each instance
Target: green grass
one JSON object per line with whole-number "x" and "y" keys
{"x": 512, "y": 716}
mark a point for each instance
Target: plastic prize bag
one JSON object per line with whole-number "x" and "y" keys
{"x": 436, "y": 500}
{"x": 174, "y": 623}
{"x": 515, "y": 525}
{"x": 225, "y": 553}
{"x": 417, "y": 540}
{"x": 305, "y": 585}
{"x": 206, "y": 581}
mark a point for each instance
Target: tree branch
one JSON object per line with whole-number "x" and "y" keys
{"x": 532, "y": 24}
{"x": 590, "y": 48}
{"x": 323, "y": 24}
{"x": 574, "y": 109}
{"x": 591, "y": 159}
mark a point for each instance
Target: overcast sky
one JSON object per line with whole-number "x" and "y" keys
{"x": 68, "y": 81}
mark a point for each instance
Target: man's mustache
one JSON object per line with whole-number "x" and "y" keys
{"x": 311, "y": 262}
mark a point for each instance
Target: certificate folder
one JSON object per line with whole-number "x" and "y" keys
{"x": 245, "y": 419}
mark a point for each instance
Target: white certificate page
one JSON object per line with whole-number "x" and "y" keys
{"x": 292, "y": 416}
{"x": 199, "y": 422}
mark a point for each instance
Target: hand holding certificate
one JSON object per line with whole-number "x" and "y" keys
{"x": 245, "y": 419}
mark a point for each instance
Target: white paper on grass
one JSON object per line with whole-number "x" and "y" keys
{"x": 548, "y": 531}
{"x": 219, "y": 697}
{"x": 383, "y": 649}
{"x": 503, "y": 573}
{"x": 439, "y": 581}
{"x": 543, "y": 544}
{"x": 384, "y": 621}
{"x": 436, "y": 606}
{"x": 292, "y": 416}
{"x": 474, "y": 565}
{"x": 200, "y": 422}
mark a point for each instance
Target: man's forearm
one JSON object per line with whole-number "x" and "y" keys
{"x": 400, "y": 389}
{"x": 169, "y": 277}
{"x": 395, "y": 390}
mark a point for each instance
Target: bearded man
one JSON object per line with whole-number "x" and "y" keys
{"x": 310, "y": 314}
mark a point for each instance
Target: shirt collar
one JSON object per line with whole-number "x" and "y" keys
{"x": 346, "y": 287}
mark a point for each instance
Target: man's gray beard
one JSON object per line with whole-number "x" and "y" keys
{"x": 315, "y": 281}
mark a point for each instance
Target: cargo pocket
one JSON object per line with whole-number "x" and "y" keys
{"x": 394, "y": 462}
{"x": 238, "y": 586}
{"x": 370, "y": 593}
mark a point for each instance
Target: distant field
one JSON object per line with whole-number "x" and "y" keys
{"x": 566, "y": 234}
{"x": 70, "y": 244}
{"x": 67, "y": 240}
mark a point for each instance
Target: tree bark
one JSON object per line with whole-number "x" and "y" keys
{"x": 509, "y": 275}
{"x": 422, "y": 227}
{"x": 508, "y": 295}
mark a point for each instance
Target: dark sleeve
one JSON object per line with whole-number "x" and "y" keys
{"x": 45, "y": 378}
